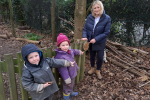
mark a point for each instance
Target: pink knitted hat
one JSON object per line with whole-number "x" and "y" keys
{"x": 61, "y": 38}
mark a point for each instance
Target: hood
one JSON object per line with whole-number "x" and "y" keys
{"x": 29, "y": 48}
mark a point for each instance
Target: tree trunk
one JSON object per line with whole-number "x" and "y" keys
{"x": 53, "y": 20}
{"x": 79, "y": 18}
{"x": 12, "y": 18}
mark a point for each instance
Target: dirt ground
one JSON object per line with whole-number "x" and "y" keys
{"x": 116, "y": 84}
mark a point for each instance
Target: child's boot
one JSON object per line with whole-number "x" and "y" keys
{"x": 66, "y": 96}
{"x": 73, "y": 94}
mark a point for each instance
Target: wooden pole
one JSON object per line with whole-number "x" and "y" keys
{"x": 11, "y": 76}
{"x": 76, "y": 46}
{"x": 82, "y": 65}
{"x": 20, "y": 66}
{"x": 79, "y": 64}
{"x": 2, "y": 89}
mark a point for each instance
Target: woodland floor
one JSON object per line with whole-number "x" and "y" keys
{"x": 116, "y": 84}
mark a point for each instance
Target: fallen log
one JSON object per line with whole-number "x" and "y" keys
{"x": 31, "y": 41}
{"x": 4, "y": 36}
{"x": 16, "y": 29}
{"x": 24, "y": 27}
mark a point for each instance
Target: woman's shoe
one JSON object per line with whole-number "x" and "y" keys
{"x": 98, "y": 74}
{"x": 91, "y": 71}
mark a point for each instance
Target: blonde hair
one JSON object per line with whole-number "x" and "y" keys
{"x": 101, "y": 7}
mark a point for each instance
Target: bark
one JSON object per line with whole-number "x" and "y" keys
{"x": 12, "y": 18}
{"x": 53, "y": 20}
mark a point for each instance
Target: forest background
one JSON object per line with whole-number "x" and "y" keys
{"x": 130, "y": 18}
{"x": 43, "y": 20}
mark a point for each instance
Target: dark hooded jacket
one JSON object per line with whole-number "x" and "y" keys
{"x": 34, "y": 76}
{"x": 101, "y": 31}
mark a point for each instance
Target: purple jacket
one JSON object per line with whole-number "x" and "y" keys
{"x": 67, "y": 73}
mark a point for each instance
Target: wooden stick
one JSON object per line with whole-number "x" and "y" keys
{"x": 144, "y": 84}
{"x": 138, "y": 50}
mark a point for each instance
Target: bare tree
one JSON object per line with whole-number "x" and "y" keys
{"x": 53, "y": 20}
{"x": 79, "y": 19}
{"x": 12, "y": 18}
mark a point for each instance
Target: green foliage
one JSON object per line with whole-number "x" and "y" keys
{"x": 117, "y": 32}
{"x": 18, "y": 12}
{"x": 66, "y": 9}
{"x": 33, "y": 36}
{"x": 4, "y": 9}
{"x": 3, "y": 1}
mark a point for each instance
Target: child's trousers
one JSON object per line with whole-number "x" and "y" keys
{"x": 68, "y": 89}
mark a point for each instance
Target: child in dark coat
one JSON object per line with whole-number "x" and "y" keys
{"x": 68, "y": 74}
{"x": 37, "y": 73}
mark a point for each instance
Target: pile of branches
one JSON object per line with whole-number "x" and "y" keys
{"x": 128, "y": 58}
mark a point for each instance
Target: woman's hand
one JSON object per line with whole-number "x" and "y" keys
{"x": 85, "y": 39}
{"x": 93, "y": 41}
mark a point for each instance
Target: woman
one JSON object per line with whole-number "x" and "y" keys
{"x": 96, "y": 30}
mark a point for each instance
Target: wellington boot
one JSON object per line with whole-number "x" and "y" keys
{"x": 91, "y": 70}
{"x": 98, "y": 74}
{"x": 73, "y": 94}
{"x": 66, "y": 96}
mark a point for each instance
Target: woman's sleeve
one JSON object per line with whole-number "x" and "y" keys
{"x": 84, "y": 33}
{"x": 28, "y": 83}
{"x": 106, "y": 31}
